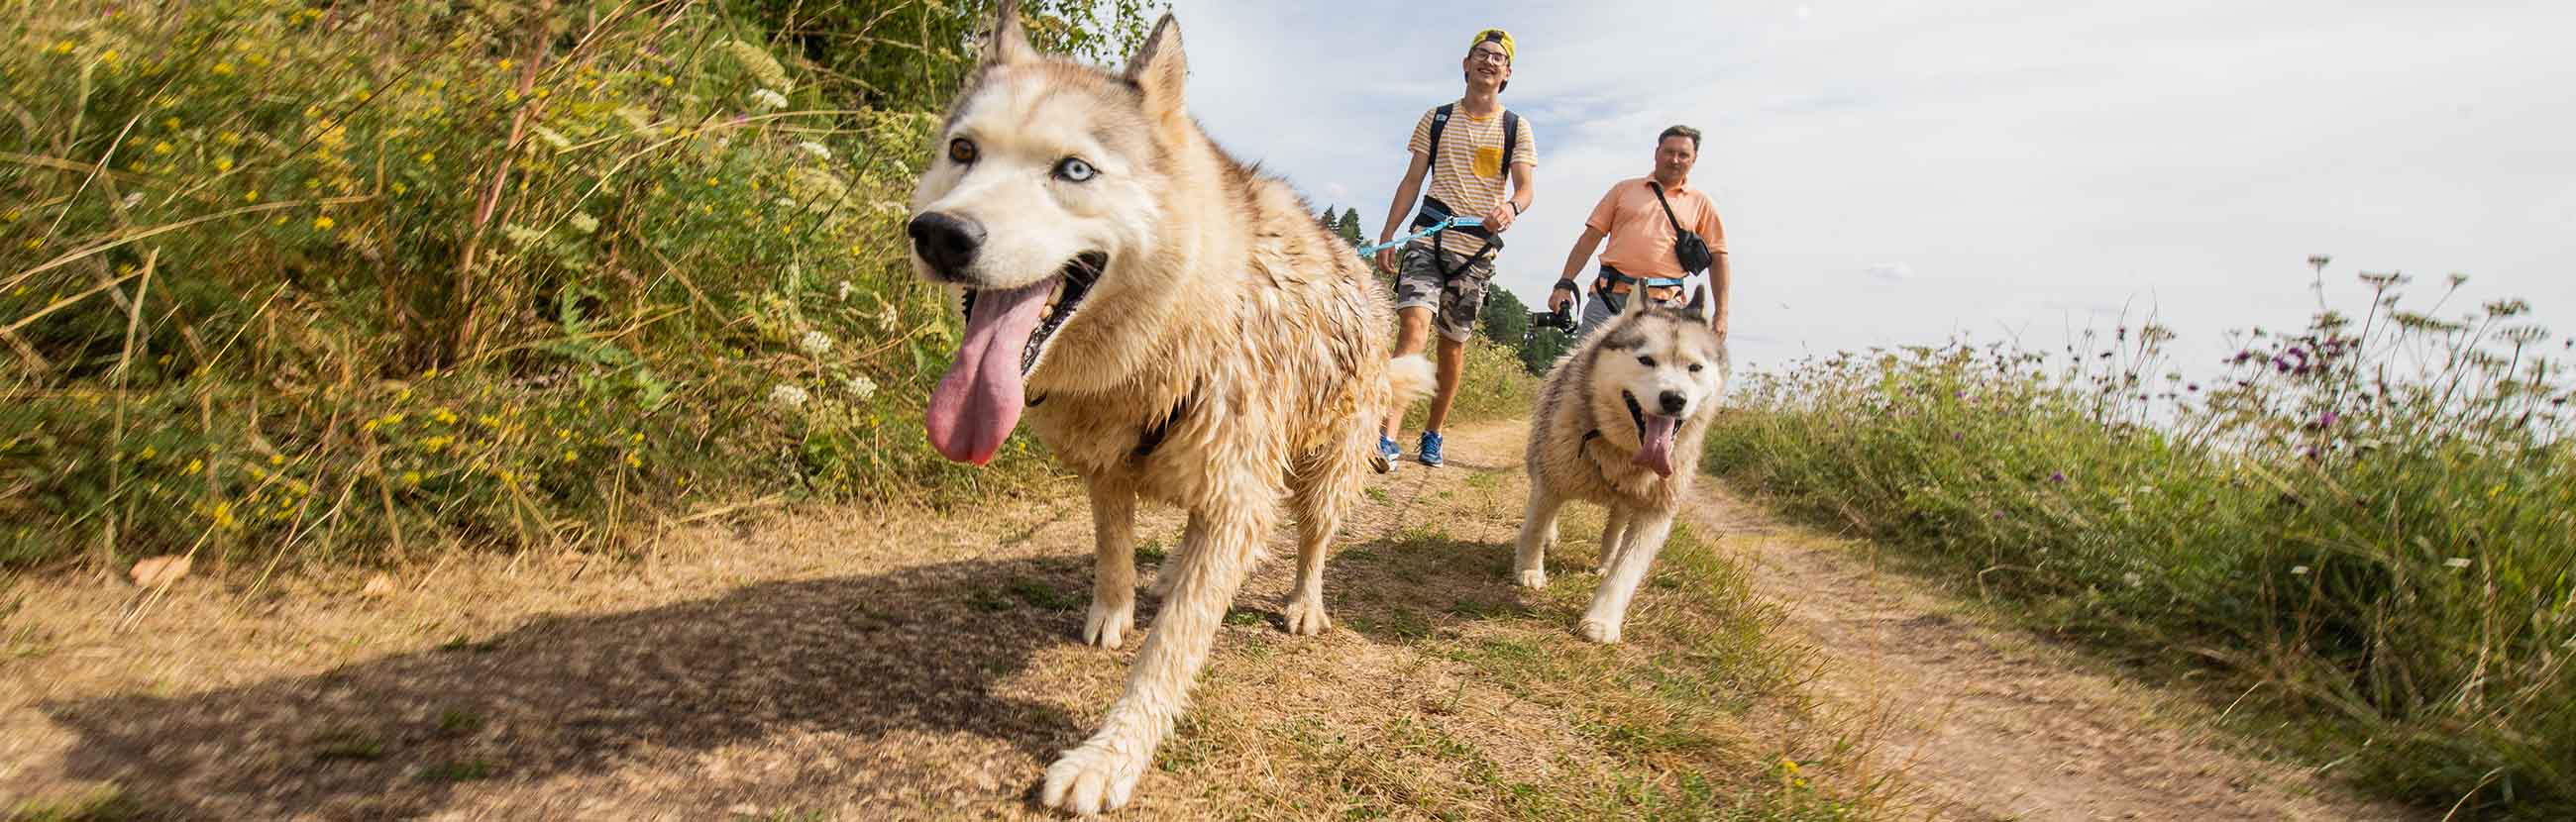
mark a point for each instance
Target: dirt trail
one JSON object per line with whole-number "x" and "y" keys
{"x": 845, "y": 664}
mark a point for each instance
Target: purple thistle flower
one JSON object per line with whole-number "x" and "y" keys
{"x": 2059, "y": 476}
{"x": 2326, "y": 419}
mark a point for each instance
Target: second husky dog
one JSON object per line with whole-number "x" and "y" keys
{"x": 1619, "y": 423}
{"x": 1177, "y": 328}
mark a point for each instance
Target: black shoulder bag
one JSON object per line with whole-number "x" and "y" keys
{"x": 1686, "y": 243}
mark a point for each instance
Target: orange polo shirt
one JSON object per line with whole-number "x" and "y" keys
{"x": 1640, "y": 240}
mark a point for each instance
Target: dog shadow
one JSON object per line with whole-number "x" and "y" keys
{"x": 1410, "y": 587}
{"x": 917, "y": 650}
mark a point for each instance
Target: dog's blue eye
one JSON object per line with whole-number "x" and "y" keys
{"x": 961, "y": 151}
{"x": 1074, "y": 169}
{"x": 1648, "y": 362}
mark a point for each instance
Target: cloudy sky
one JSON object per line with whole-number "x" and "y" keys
{"x": 1895, "y": 173}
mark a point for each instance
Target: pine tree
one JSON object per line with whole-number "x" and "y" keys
{"x": 1330, "y": 221}
{"x": 1350, "y": 227}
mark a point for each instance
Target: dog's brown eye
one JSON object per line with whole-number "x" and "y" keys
{"x": 1694, "y": 368}
{"x": 1646, "y": 361}
{"x": 961, "y": 151}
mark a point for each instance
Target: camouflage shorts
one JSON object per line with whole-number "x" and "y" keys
{"x": 1453, "y": 303}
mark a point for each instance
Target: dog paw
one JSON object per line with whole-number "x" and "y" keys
{"x": 1306, "y": 617}
{"x": 1606, "y": 633}
{"x": 1534, "y": 579}
{"x": 1090, "y": 779}
{"x": 1107, "y": 625}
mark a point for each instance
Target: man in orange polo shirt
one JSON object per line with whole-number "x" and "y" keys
{"x": 1641, "y": 258}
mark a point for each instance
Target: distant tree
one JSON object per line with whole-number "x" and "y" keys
{"x": 1350, "y": 227}
{"x": 1329, "y": 220}
{"x": 1543, "y": 348}
{"x": 1504, "y": 319}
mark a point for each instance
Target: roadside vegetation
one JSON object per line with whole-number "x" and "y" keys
{"x": 319, "y": 281}
{"x": 2362, "y": 533}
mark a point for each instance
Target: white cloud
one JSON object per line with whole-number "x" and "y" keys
{"x": 1891, "y": 272}
{"x": 2189, "y": 154}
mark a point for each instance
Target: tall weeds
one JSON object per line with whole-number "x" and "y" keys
{"x": 2368, "y": 525}
{"x": 314, "y": 281}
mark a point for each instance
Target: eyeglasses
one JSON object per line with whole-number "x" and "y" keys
{"x": 1489, "y": 55}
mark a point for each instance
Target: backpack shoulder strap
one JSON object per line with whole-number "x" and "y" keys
{"x": 1439, "y": 122}
{"x": 1511, "y": 138}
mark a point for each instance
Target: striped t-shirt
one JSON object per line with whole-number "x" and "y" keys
{"x": 1468, "y": 174}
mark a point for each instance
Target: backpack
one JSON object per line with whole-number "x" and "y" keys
{"x": 1511, "y": 133}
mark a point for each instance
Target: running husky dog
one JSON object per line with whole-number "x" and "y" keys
{"x": 1177, "y": 328}
{"x": 1619, "y": 422}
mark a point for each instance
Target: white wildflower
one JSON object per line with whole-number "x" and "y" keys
{"x": 2133, "y": 579}
{"x": 787, "y": 396}
{"x": 817, "y": 149}
{"x": 844, "y": 291}
{"x": 2456, "y": 563}
{"x": 523, "y": 235}
{"x": 861, "y": 387}
{"x": 769, "y": 99}
{"x": 784, "y": 202}
{"x": 553, "y": 138}
{"x": 2298, "y": 570}
{"x": 814, "y": 343}
{"x": 584, "y": 223}
{"x": 132, "y": 200}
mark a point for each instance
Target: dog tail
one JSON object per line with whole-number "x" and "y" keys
{"x": 1411, "y": 377}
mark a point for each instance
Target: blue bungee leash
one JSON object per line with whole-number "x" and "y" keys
{"x": 1446, "y": 223}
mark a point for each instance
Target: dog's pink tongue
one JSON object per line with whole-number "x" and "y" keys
{"x": 975, "y": 406}
{"x": 1655, "y": 445}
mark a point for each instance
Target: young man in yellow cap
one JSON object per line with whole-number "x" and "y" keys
{"x": 1468, "y": 149}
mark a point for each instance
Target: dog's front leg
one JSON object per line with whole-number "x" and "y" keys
{"x": 1113, "y": 570}
{"x": 1615, "y": 521}
{"x": 1645, "y": 538}
{"x": 1538, "y": 530}
{"x": 1101, "y": 774}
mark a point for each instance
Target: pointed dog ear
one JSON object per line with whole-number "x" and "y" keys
{"x": 1159, "y": 70}
{"x": 1008, "y": 42}
{"x": 1698, "y": 308}
{"x": 1636, "y": 301}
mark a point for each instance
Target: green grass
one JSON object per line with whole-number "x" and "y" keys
{"x": 318, "y": 282}
{"x": 2367, "y": 528}
{"x": 104, "y": 804}
{"x": 1492, "y": 385}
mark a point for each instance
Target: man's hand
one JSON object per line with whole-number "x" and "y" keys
{"x": 1719, "y": 327}
{"x": 1500, "y": 219}
{"x": 1387, "y": 257}
{"x": 1563, "y": 296}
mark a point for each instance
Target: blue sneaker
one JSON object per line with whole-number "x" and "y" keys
{"x": 1430, "y": 450}
{"x": 1385, "y": 458}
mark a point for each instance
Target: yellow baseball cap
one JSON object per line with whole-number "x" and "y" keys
{"x": 1499, "y": 37}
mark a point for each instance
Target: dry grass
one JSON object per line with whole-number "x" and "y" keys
{"x": 833, "y": 664}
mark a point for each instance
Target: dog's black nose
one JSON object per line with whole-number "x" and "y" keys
{"x": 947, "y": 243}
{"x": 1673, "y": 402}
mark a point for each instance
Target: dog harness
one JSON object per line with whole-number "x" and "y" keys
{"x": 1434, "y": 211}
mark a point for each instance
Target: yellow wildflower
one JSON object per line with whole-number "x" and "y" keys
{"x": 224, "y": 516}
{"x": 64, "y": 47}
{"x": 427, "y": 157}
{"x": 443, "y": 416}
{"x": 633, "y": 461}
{"x": 411, "y": 478}
{"x": 148, "y": 453}
{"x": 251, "y": 196}
{"x": 322, "y": 223}
{"x": 163, "y": 147}
{"x": 11, "y": 215}
{"x": 223, "y": 164}
{"x": 194, "y": 466}
{"x": 505, "y": 64}
{"x": 223, "y": 69}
